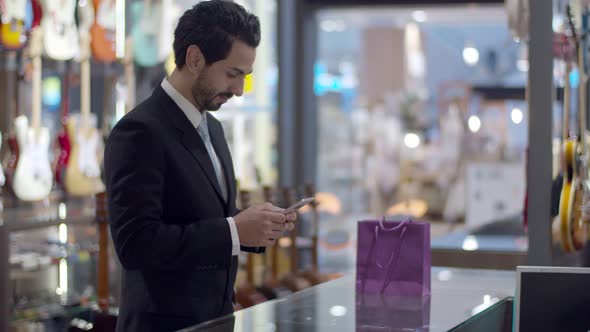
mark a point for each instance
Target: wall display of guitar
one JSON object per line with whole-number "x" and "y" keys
{"x": 572, "y": 228}
{"x": 12, "y": 27}
{"x": 145, "y": 31}
{"x": 33, "y": 178}
{"x": 579, "y": 224}
{"x": 63, "y": 139}
{"x": 12, "y": 78}
{"x": 82, "y": 175}
{"x": 103, "y": 31}
{"x": 60, "y": 34}
{"x": 22, "y": 70}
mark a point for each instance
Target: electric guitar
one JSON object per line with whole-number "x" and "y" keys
{"x": 63, "y": 139}
{"x": 579, "y": 225}
{"x": 82, "y": 176}
{"x": 12, "y": 78}
{"x": 145, "y": 32}
{"x": 572, "y": 190}
{"x": 103, "y": 31}
{"x": 60, "y": 34}
{"x": 33, "y": 178}
{"x": 12, "y": 27}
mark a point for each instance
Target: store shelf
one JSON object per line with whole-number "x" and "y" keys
{"x": 33, "y": 216}
{"x": 80, "y": 212}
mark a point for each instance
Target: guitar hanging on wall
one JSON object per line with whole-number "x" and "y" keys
{"x": 103, "y": 31}
{"x": 60, "y": 35}
{"x": 82, "y": 176}
{"x": 572, "y": 226}
{"x": 145, "y": 32}
{"x": 33, "y": 178}
{"x": 12, "y": 27}
{"x": 63, "y": 139}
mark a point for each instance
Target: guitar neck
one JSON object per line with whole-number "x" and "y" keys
{"x": 65, "y": 95}
{"x": 9, "y": 91}
{"x": 566, "y": 101}
{"x": 129, "y": 76}
{"x": 85, "y": 92}
{"x": 583, "y": 89}
{"x": 36, "y": 93}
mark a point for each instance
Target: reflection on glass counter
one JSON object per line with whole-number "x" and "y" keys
{"x": 457, "y": 295}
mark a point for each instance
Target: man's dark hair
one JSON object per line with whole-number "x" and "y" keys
{"x": 213, "y": 26}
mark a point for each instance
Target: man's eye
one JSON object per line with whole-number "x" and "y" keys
{"x": 231, "y": 75}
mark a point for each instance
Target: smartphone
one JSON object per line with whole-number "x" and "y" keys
{"x": 303, "y": 202}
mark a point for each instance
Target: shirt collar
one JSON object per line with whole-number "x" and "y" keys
{"x": 191, "y": 112}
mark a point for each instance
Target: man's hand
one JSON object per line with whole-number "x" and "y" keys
{"x": 290, "y": 224}
{"x": 262, "y": 225}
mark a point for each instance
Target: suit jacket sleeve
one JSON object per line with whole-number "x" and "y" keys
{"x": 135, "y": 167}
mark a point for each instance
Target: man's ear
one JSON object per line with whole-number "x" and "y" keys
{"x": 195, "y": 61}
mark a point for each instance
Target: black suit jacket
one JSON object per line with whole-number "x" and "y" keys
{"x": 168, "y": 218}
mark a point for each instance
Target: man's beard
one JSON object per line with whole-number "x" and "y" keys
{"x": 205, "y": 96}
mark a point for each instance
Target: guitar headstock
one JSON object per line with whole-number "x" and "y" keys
{"x": 101, "y": 208}
{"x": 563, "y": 47}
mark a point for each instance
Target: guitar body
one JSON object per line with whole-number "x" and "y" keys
{"x": 11, "y": 33}
{"x": 565, "y": 200}
{"x": 63, "y": 139}
{"x": 12, "y": 27}
{"x": 577, "y": 224}
{"x": 60, "y": 35}
{"x": 33, "y": 178}
{"x": 144, "y": 33}
{"x": 82, "y": 176}
{"x": 63, "y": 156}
{"x": 2, "y": 176}
{"x": 12, "y": 161}
{"x": 102, "y": 31}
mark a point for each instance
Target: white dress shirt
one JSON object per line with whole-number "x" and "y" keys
{"x": 199, "y": 122}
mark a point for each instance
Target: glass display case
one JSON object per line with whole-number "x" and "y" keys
{"x": 457, "y": 295}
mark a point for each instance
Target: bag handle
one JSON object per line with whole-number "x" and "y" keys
{"x": 382, "y": 227}
{"x": 394, "y": 255}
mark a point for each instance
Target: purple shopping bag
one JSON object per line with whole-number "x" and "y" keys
{"x": 393, "y": 258}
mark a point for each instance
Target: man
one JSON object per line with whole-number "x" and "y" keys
{"x": 171, "y": 186}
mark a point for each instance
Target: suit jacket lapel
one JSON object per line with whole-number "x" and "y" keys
{"x": 220, "y": 146}
{"x": 190, "y": 138}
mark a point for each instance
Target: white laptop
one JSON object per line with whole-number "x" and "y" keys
{"x": 550, "y": 298}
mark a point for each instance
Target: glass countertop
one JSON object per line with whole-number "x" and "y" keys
{"x": 457, "y": 295}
